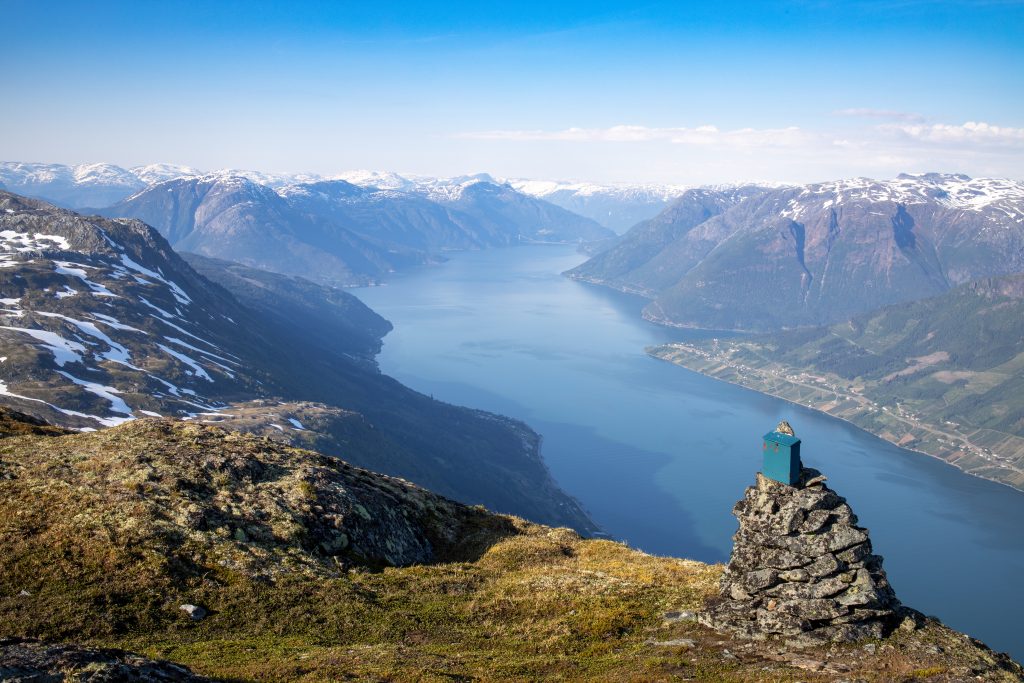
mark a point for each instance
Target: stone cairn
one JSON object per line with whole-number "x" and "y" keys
{"x": 801, "y": 566}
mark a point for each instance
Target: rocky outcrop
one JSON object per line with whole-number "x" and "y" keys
{"x": 800, "y": 565}
{"x": 238, "y": 502}
{"x": 31, "y": 660}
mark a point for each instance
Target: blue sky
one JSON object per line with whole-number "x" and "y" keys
{"x": 655, "y": 92}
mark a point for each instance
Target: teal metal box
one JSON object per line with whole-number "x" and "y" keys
{"x": 781, "y": 457}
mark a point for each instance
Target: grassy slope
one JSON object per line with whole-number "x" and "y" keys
{"x": 101, "y": 529}
{"x": 942, "y": 375}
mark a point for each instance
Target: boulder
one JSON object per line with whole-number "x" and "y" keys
{"x": 26, "y": 659}
{"x": 194, "y": 612}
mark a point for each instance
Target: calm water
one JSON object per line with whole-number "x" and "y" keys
{"x": 659, "y": 454}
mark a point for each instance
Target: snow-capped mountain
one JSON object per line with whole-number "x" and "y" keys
{"x": 384, "y": 180}
{"x": 997, "y": 198}
{"x": 818, "y": 253}
{"x": 648, "y": 191}
{"x": 338, "y": 233}
{"x": 618, "y": 207}
{"x": 274, "y": 180}
{"x": 104, "y": 323}
{"x": 157, "y": 173}
{"x": 450, "y": 189}
{"x": 75, "y": 186}
{"x": 98, "y": 185}
{"x": 236, "y": 219}
{"x": 101, "y": 322}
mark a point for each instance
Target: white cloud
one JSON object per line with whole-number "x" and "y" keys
{"x": 700, "y": 154}
{"x": 868, "y": 113}
{"x": 969, "y": 136}
{"x": 972, "y": 133}
{"x": 700, "y": 135}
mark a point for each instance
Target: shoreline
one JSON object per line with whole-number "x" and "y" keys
{"x": 653, "y": 353}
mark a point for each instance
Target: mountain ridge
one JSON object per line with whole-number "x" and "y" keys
{"x": 817, "y": 254}
{"x": 342, "y": 234}
{"x": 102, "y": 323}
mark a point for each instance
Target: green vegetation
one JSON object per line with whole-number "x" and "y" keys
{"x": 944, "y": 375}
{"x": 104, "y": 535}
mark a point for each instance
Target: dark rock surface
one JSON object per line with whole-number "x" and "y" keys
{"x": 39, "y": 662}
{"x": 800, "y": 565}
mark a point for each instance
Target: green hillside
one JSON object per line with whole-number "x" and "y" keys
{"x": 943, "y": 375}
{"x": 308, "y": 568}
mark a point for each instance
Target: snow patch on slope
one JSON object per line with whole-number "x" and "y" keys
{"x": 999, "y": 198}
{"x": 63, "y": 351}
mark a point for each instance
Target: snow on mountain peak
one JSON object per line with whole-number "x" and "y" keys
{"x": 622, "y": 191}
{"x": 955, "y": 191}
{"x": 106, "y": 174}
{"x": 383, "y": 180}
{"x": 155, "y": 173}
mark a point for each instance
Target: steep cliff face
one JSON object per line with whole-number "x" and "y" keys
{"x": 655, "y": 253}
{"x": 800, "y": 565}
{"x": 820, "y": 253}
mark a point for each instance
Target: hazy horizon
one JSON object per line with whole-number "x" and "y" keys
{"x": 348, "y": 173}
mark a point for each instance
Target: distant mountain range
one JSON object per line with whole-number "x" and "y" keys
{"x": 618, "y": 207}
{"x": 754, "y": 258}
{"x": 331, "y": 230}
{"x": 102, "y": 322}
{"x": 343, "y": 234}
{"x": 615, "y": 206}
{"x": 96, "y": 185}
{"x": 82, "y": 185}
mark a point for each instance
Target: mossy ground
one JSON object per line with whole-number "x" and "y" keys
{"x": 522, "y": 602}
{"x": 538, "y": 605}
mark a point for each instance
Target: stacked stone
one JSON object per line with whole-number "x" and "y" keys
{"x": 801, "y": 566}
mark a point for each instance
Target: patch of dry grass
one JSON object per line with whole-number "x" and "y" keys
{"x": 109, "y": 533}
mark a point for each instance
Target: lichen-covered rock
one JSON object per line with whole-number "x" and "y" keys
{"x": 207, "y": 498}
{"x": 801, "y": 566}
{"x": 32, "y": 660}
